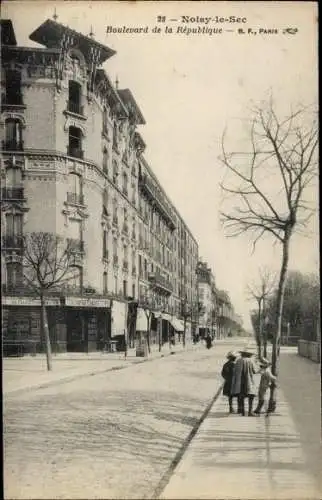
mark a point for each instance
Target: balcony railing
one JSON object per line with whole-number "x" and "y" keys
{"x": 76, "y": 246}
{"x": 153, "y": 192}
{"x": 15, "y": 100}
{"x": 75, "y": 152}
{"x": 161, "y": 282}
{"x": 12, "y": 145}
{"x": 75, "y": 107}
{"x": 75, "y": 198}
{"x": 12, "y": 193}
{"x": 14, "y": 241}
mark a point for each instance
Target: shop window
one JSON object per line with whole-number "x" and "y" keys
{"x": 75, "y": 142}
{"x": 13, "y": 135}
{"x": 74, "y": 97}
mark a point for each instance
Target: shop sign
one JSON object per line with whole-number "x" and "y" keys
{"x": 87, "y": 302}
{"x": 28, "y": 301}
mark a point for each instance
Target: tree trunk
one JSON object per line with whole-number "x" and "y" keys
{"x": 148, "y": 337}
{"x": 279, "y": 317}
{"x": 184, "y": 331}
{"x": 44, "y": 323}
{"x": 160, "y": 333}
{"x": 259, "y": 337}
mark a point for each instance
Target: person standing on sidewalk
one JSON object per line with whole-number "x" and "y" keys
{"x": 266, "y": 379}
{"x": 243, "y": 384}
{"x": 227, "y": 374}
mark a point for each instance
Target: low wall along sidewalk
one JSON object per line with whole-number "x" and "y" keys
{"x": 311, "y": 350}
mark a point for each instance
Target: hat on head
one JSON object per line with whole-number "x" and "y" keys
{"x": 231, "y": 354}
{"x": 247, "y": 351}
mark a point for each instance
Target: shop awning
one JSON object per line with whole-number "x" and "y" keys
{"x": 177, "y": 324}
{"x": 141, "y": 321}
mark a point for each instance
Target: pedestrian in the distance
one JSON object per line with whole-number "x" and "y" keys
{"x": 208, "y": 341}
{"x": 243, "y": 385}
{"x": 266, "y": 380}
{"x": 227, "y": 374}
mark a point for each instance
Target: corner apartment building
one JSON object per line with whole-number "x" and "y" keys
{"x": 207, "y": 300}
{"x": 72, "y": 164}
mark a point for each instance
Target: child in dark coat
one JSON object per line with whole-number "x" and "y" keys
{"x": 227, "y": 374}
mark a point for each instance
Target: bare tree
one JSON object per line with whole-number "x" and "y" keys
{"x": 268, "y": 184}
{"x": 260, "y": 291}
{"x": 47, "y": 265}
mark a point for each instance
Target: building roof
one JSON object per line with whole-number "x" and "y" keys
{"x": 8, "y": 36}
{"x": 102, "y": 76}
{"x": 129, "y": 101}
{"x": 50, "y": 34}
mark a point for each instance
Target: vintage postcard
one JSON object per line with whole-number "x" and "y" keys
{"x": 160, "y": 250}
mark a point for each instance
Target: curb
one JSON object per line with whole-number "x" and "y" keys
{"x": 52, "y": 383}
{"x": 180, "y": 453}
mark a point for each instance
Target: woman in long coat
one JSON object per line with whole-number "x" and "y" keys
{"x": 243, "y": 384}
{"x": 227, "y": 373}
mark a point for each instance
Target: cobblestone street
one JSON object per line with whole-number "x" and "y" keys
{"x": 111, "y": 435}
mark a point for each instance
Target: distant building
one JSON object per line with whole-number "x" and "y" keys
{"x": 207, "y": 300}
{"x": 73, "y": 164}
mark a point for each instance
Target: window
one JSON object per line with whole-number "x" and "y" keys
{"x": 105, "y": 202}
{"x": 105, "y": 284}
{"x": 105, "y": 160}
{"x": 115, "y": 219}
{"x": 75, "y": 189}
{"x": 105, "y": 244}
{"x": 74, "y": 97}
{"x": 13, "y": 236}
{"x": 115, "y": 172}
{"x": 13, "y": 134}
{"x": 75, "y": 142}
{"x": 115, "y": 135}
{"x": 13, "y": 87}
{"x": 14, "y": 274}
{"x": 140, "y": 266}
{"x": 124, "y": 288}
{"x": 125, "y": 182}
{"x": 133, "y": 290}
{"x": 114, "y": 247}
{"x": 76, "y": 280}
{"x": 105, "y": 122}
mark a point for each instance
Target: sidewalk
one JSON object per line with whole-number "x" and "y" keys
{"x": 247, "y": 457}
{"x": 30, "y": 372}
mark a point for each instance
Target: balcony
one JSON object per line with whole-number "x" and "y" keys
{"x": 75, "y": 152}
{"x": 12, "y": 193}
{"x": 12, "y": 102}
{"x": 12, "y": 242}
{"x": 75, "y": 199}
{"x": 12, "y": 145}
{"x": 75, "y": 246}
{"x": 76, "y": 108}
{"x": 152, "y": 191}
{"x": 160, "y": 282}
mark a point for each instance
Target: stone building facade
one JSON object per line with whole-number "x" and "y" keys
{"x": 73, "y": 165}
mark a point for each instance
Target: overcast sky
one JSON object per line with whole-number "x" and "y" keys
{"x": 189, "y": 89}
